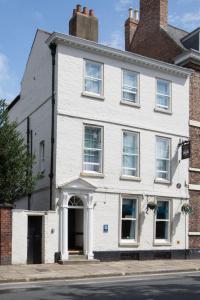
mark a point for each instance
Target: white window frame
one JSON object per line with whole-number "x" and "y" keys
{"x": 168, "y": 240}
{"x": 162, "y": 108}
{"x": 101, "y": 150}
{"x": 137, "y": 134}
{"x": 95, "y": 79}
{"x": 126, "y": 90}
{"x": 129, "y": 241}
{"x": 158, "y": 179}
{"x": 42, "y": 156}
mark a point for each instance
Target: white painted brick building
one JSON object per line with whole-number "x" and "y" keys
{"x": 119, "y": 118}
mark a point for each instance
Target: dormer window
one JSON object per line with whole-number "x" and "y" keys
{"x": 192, "y": 40}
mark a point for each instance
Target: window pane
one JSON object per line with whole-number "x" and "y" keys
{"x": 163, "y": 87}
{"x": 162, "y": 148}
{"x": 92, "y": 150}
{"x": 92, "y": 167}
{"x": 92, "y": 156}
{"x": 93, "y": 86}
{"x": 130, "y": 154}
{"x": 162, "y": 175}
{"x": 162, "y": 231}
{"x": 163, "y": 94}
{"x": 130, "y": 143}
{"x": 130, "y": 80}
{"x": 130, "y": 172}
{"x": 92, "y": 137}
{"x": 163, "y": 101}
{"x": 130, "y": 86}
{"x": 163, "y": 158}
{"x": 128, "y": 230}
{"x": 163, "y": 210}
{"x": 130, "y": 162}
{"x": 130, "y": 96}
{"x": 129, "y": 208}
{"x": 93, "y": 70}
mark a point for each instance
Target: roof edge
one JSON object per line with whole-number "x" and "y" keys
{"x": 13, "y": 102}
{"x": 60, "y": 38}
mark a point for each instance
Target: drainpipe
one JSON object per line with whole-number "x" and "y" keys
{"x": 51, "y": 174}
{"x": 29, "y": 152}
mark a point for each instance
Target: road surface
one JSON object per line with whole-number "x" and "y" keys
{"x": 170, "y": 287}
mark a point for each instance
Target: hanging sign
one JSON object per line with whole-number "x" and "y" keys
{"x": 186, "y": 150}
{"x": 105, "y": 228}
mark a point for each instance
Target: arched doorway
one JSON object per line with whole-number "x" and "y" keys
{"x": 75, "y": 225}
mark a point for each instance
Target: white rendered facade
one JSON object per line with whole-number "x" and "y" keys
{"x": 106, "y": 192}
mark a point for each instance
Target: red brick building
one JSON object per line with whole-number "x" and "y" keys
{"x": 152, "y": 36}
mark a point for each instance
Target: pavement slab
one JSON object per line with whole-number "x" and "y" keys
{"x": 25, "y": 273}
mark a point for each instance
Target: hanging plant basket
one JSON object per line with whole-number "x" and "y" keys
{"x": 186, "y": 209}
{"x": 151, "y": 206}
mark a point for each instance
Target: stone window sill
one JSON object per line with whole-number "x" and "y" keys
{"x": 129, "y": 244}
{"x": 160, "y": 181}
{"x": 130, "y": 178}
{"x": 129, "y": 103}
{"x": 93, "y": 96}
{"x": 93, "y": 175}
{"x": 159, "y": 110}
{"x": 163, "y": 244}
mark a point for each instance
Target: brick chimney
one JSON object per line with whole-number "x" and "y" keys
{"x": 130, "y": 27}
{"x": 154, "y": 13}
{"x": 84, "y": 24}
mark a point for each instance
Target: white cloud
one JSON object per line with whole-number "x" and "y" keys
{"x": 188, "y": 20}
{"x": 8, "y": 82}
{"x": 116, "y": 40}
{"x": 121, "y": 5}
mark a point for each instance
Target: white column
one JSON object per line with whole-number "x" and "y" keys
{"x": 90, "y": 227}
{"x": 85, "y": 234}
{"x": 64, "y": 229}
{"x": 64, "y": 250}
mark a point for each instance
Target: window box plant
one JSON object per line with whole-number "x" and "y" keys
{"x": 151, "y": 206}
{"x": 186, "y": 209}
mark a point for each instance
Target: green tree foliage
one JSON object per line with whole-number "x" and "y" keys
{"x": 16, "y": 179}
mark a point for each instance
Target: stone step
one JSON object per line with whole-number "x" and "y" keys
{"x": 78, "y": 259}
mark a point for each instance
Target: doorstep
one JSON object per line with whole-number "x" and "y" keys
{"x": 78, "y": 259}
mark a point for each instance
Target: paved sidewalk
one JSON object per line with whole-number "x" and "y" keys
{"x": 26, "y": 273}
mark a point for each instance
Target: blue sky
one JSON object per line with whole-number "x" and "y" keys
{"x": 19, "y": 20}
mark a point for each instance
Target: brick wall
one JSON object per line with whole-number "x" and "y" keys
{"x": 194, "y": 221}
{"x": 150, "y": 38}
{"x": 194, "y": 95}
{"x": 155, "y": 44}
{"x": 130, "y": 28}
{"x": 5, "y": 236}
{"x": 154, "y": 13}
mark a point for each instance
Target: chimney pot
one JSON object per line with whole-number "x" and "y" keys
{"x": 130, "y": 12}
{"x": 136, "y": 15}
{"x": 78, "y": 8}
{"x": 85, "y": 11}
{"x": 83, "y": 26}
{"x": 91, "y": 13}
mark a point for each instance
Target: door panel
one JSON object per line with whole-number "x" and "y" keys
{"x": 34, "y": 255}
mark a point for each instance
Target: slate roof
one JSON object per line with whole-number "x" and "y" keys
{"x": 177, "y": 34}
